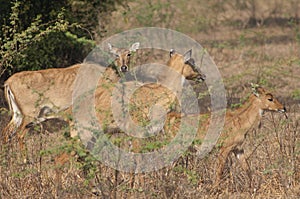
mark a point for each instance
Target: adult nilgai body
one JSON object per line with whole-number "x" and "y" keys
{"x": 35, "y": 96}
{"x": 237, "y": 125}
{"x": 152, "y": 93}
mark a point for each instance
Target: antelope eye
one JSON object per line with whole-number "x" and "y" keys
{"x": 128, "y": 55}
{"x": 270, "y": 99}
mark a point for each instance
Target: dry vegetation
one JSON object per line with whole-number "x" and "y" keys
{"x": 250, "y": 41}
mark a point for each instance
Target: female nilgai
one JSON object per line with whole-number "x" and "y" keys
{"x": 31, "y": 94}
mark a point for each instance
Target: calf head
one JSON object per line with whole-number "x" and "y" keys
{"x": 122, "y": 60}
{"x": 266, "y": 100}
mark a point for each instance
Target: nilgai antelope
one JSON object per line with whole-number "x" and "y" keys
{"x": 185, "y": 65}
{"x": 32, "y": 95}
{"x": 167, "y": 93}
{"x": 142, "y": 100}
{"x": 237, "y": 125}
{"x": 148, "y": 94}
{"x": 142, "y": 119}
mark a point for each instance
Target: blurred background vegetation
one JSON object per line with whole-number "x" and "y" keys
{"x": 39, "y": 34}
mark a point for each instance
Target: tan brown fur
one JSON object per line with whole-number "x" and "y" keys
{"x": 237, "y": 124}
{"x": 30, "y": 92}
{"x": 179, "y": 63}
{"x": 145, "y": 95}
{"x": 158, "y": 94}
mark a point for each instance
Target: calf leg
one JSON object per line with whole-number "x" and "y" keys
{"x": 222, "y": 159}
{"x": 239, "y": 153}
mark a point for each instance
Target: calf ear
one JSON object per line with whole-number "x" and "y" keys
{"x": 254, "y": 89}
{"x": 134, "y": 47}
{"x": 109, "y": 46}
{"x": 187, "y": 56}
{"x": 112, "y": 49}
{"x": 257, "y": 90}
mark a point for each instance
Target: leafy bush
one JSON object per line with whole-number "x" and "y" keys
{"x": 40, "y": 45}
{"x": 42, "y": 34}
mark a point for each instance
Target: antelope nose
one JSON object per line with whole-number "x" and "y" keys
{"x": 202, "y": 77}
{"x": 124, "y": 68}
{"x": 283, "y": 110}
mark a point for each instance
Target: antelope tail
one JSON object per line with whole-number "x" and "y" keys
{"x": 17, "y": 118}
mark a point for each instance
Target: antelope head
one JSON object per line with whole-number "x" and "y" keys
{"x": 185, "y": 65}
{"x": 122, "y": 60}
{"x": 267, "y": 102}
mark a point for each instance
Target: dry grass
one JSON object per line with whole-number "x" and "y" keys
{"x": 273, "y": 152}
{"x": 267, "y": 53}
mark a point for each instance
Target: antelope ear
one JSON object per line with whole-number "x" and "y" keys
{"x": 254, "y": 89}
{"x": 109, "y": 46}
{"x": 112, "y": 49}
{"x": 257, "y": 90}
{"x": 172, "y": 52}
{"x": 187, "y": 56}
{"x": 134, "y": 47}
